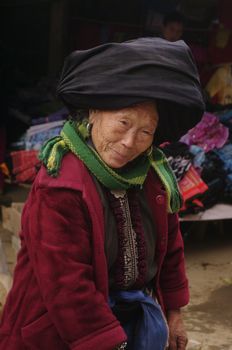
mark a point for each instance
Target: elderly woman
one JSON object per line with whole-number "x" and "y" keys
{"x": 102, "y": 264}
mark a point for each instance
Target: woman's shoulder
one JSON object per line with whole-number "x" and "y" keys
{"x": 72, "y": 174}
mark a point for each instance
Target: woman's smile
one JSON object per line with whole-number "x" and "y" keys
{"x": 120, "y": 136}
{"x": 120, "y": 155}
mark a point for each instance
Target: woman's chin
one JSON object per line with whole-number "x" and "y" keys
{"x": 116, "y": 163}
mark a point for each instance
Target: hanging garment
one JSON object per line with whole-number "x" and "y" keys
{"x": 219, "y": 86}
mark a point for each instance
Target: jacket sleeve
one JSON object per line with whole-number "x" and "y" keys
{"x": 173, "y": 280}
{"x": 58, "y": 238}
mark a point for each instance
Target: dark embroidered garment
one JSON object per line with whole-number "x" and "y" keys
{"x": 135, "y": 269}
{"x": 130, "y": 267}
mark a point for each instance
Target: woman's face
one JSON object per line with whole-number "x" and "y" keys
{"x": 120, "y": 136}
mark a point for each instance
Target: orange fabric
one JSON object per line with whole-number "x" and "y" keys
{"x": 4, "y": 169}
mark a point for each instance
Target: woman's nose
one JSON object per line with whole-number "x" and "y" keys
{"x": 129, "y": 139}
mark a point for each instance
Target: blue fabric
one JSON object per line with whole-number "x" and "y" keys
{"x": 149, "y": 332}
{"x": 226, "y": 119}
{"x": 35, "y": 141}
{"x": 225, "y": 155}
{"x": 199, "y": 156}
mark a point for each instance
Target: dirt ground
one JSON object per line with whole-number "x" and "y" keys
{"x": 208, "y": 317}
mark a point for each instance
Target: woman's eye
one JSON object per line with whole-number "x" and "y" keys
{"x": 146, "y": 132}
{"x": 124, "y": 122}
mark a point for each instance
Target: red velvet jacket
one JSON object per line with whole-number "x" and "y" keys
{"x": 59, "y": 296}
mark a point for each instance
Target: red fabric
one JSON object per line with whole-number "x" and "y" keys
{"x": 60, "y": 291}
{"x": 192, "y": 185}
{"x": 23, "y": 159}
{"x": 24, "y": 165}
{"x": 2, "y": 154}
{"x": 27, "y": 175}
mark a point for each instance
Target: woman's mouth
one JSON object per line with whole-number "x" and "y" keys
{"x": 120, "y": 156}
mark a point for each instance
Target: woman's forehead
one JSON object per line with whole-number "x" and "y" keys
{"x": 144, "y": 114}
{"x": 144, "y": 107}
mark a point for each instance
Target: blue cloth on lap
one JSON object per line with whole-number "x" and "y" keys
{"x": 149, "y": 331}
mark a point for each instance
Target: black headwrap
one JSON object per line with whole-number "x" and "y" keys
{"x": 118, "y": 75}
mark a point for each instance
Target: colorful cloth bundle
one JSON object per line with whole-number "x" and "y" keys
{"x": 38, "y": 134}
{"x": 25, "y": 165}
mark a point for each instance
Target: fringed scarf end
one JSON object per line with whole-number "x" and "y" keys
{"x": 52, "y": 153}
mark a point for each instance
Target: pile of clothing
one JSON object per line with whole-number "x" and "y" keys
{"x": 202, "y": 162}
{"x": 25, "y": 159}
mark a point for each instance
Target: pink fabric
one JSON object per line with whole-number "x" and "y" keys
{"x": 209, "y": 133}
{"x": 59, "y": 299}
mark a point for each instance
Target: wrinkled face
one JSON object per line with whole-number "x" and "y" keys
{"x": 173, "y": 31}
{"x": 120, "y": 136}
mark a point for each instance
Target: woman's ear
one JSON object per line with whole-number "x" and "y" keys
{"x": 92, "y": 115}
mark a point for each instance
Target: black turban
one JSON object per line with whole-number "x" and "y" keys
{"x": 118, "y": 75}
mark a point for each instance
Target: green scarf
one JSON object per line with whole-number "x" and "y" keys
{"x": 73, "y": 137}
